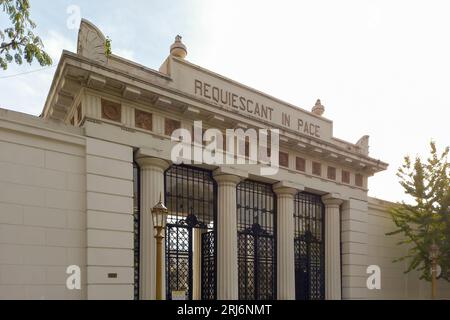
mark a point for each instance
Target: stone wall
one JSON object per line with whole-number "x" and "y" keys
{"x": 42, "y": 207}
{"x": 354, "y": 249}
{"x": 109, "y": 220}
{"x": 64, "y": 200}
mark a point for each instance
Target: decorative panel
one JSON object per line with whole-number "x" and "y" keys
{"x": 111, "y": 111}
{"x": 143, "y": 120}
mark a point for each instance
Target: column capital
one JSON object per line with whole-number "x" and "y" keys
{"x": 227, "y": 178}
{"x": 148, "y": 162}
{"x": 231, "y": 171}
{"x": 331, "y": 200}
{"x": 287, "y": 188}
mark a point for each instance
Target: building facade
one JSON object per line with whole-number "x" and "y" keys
{"x": 78, "y": 183}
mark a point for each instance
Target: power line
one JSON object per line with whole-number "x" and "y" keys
{"x": 28, "y": 72}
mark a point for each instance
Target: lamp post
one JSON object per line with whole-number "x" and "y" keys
{"x": 159, "y": 215}
{"x": 434, "y": 253}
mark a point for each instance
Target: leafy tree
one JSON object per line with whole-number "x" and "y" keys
{"x": 18, "y": 42}
{"x": 108, "y": 47}
{"x": 427, "y": 221}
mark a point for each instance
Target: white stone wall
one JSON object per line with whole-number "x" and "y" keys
{"x": 382, "y": 250}
{"x": 110, "y": 244}
{"x": 42, "y": 207}
{"x": 354, "y": 247}
{"x": 64, "y": 200}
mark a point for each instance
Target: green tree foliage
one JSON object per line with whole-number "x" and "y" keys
{"x": 18, "y": 42}
{"x": 427, "y": 221}
{"x": 108, "y": 47}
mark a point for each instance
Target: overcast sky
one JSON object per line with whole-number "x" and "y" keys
{"x": 381, "y": 68}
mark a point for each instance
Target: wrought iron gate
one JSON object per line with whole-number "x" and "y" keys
{"x": 179, "y": 260}
{"x": 256, "y": 223}
{"x": 208, "y": 266}
{"x": 190, "y": 195}
{"x": 309, "y": 247}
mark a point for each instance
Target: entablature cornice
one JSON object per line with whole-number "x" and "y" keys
{"x": 76, "y": 72}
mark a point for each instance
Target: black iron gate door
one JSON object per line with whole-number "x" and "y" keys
{"x": 179, "y": 255}
{"x": 179, "y": 260}
{"x": 256, "y": 266}
{"x": 208, "y": 275}
{"x": 256, "y": 221}
{"x": 309, "y": 247}
{"x": 190, "y": 195}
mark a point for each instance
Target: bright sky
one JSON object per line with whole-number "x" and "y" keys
{"x": 381, "y": 68}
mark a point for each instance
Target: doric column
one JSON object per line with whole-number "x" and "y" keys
{"x": 152, "y": 187}
{"x": 227, "y": 263}
{"x": 285, "y": 242}
{"x": 332, "y": 247}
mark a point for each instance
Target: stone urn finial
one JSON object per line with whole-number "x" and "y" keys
{"x": 318, "y": 109}
{"x": 178, "y": 49}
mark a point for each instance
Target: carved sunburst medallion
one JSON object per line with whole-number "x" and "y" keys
{"x": 284, "y": 159}
{"x": 111, "y": 111}
{"x": 171, "y": 125}
{"x": 144, "y": 120}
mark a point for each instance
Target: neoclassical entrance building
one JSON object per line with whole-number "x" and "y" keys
{"x": 77, "y": 186}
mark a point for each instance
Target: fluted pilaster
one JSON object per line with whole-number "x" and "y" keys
{"x": 332, "y": 248}
{"x": 152, "y": 187}
{"x": 285, "y": 243}
{"x": 227, "y": 264}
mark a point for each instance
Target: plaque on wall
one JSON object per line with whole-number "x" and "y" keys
{"x": 300, "y": 164}
{"x": 332, "y": 173}
{"x": 284, "y": 159}
{"x": 317, "y": 169}
{"x": 111, "y": 111}
{"x": 170, "y": 126}
{"x": 345, "y": 177}
{"x": 359, "y": 180}
{"x": 143, "y": 120}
